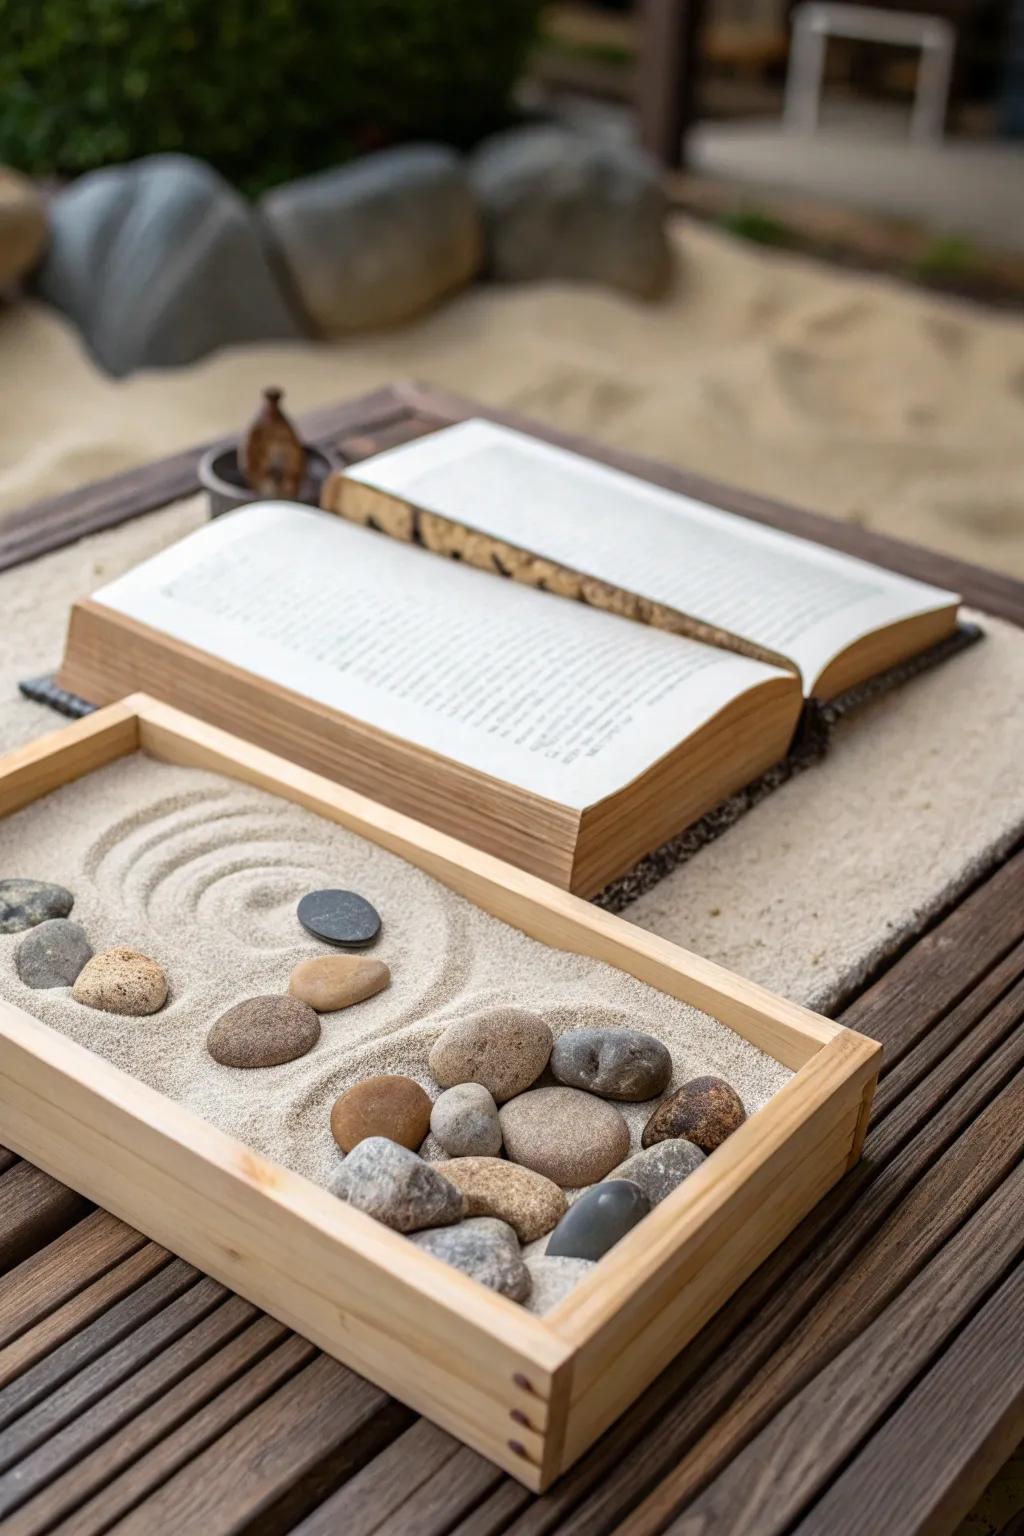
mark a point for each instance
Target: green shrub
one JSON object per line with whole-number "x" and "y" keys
{"x": 264, "y": 89}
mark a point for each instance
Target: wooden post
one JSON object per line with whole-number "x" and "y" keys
{"x": 667, "y": 74}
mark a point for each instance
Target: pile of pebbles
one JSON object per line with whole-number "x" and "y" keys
{"x": 520, "y": 1117}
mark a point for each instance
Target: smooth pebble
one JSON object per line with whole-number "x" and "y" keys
{"x": 553, "y": 1278}
{"x": 661, "y": 1168}
{"x": 705, "y": 1111}
{"x": 615, "y": 1063}
{"x": 339, "y": 917}
{"x": 263, "y": 1032}
{"x": 570, "y": 1137}
{"x": 464, "y": 1121}
{"x": 397, "y": 1187}
{"x": 505, "y": 1049}
{"x": 389, "y": 1105}
{"x": 329, "y": 983}
{"x": 121, "y": 981}
{"x": 483, "y": 1248}
{"x": 53, "y": 953}
{"x": 598, "y": 1220}
{"x": 530, "y": 1204}
{"x": 24, "y": 903}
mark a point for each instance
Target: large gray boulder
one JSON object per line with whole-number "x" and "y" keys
{"x": 160, "y": 262}
{"x": 557, "y": 204}
{"x": 379, "y": 241}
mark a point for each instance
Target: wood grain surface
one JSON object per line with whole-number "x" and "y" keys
{"x": 868, "y": 1378}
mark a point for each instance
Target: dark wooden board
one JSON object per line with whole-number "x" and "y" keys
{"x": 868, "y": 1377}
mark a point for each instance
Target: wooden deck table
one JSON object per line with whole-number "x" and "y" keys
{"x": 868, "y": 1379}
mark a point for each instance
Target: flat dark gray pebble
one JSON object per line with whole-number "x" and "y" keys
{"x": 24, "y": 903}
{"x": 339, "y": 917}
{"x": 597, "y": 1220}
{"x": 52, "y": 954}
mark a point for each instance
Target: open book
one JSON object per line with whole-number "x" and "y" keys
{"x": 565, "y": 736}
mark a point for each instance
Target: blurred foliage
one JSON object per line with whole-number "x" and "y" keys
{"x": 264, "y": 89}
{"x": 762, "y": 228}
{"x": 945, "y": 257}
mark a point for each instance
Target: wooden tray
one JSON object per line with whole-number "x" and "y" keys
{"x": 529, "y": 1393}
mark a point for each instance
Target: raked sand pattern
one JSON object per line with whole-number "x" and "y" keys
{"x": 203, "y": 875}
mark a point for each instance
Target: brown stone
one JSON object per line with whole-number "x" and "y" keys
{"x": 121, "y": 981}
{"x": 263, "y": 1032}
{"x": 531, "y": 1204}
{"x": 569, "y": 1136}
{"x": 331, "y": 982}
{"x": 22, "y": 226}
{"x": 705, "y": 1111}
{"x": 506, "y": 1049}
{"x": 390, "y": 1106}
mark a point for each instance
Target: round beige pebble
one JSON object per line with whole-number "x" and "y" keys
{"x": 331, "y": 982}
{"x": 532, "y": 1205}
{"x": 263, "y": 1032}
{"x": 121, "y": 981}
{"x": 505, "y": 1049}
{"x": 569, "y": 1136}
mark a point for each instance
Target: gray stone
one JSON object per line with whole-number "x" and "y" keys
{"x": 661, "y": 1168}
{"x": 464, "y": 1120}
{"x": 378, "y": 241}
{"x": 24, "y": 903}
{"x": 505, "y": 1049}
{"x": 597, "y": 1221}
{"x": 339, "y": 917}
{"x": 483, "y": 1248}
{"x": 560, "y": 205}
{"x": 615, "y": 1063}
{"x": 397, "y": 1187}
{"x": 570, "y": 1137}
{"x": 52, "y": 953}
{"x": 553, "y": 1278}
{"x": 160, "y": 262}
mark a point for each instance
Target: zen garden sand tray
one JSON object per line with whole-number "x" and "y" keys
{"x": 244, "y": 1198}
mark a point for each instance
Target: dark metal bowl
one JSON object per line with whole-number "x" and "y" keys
{"x": 225, "y": 486}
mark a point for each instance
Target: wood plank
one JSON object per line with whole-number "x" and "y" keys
{"x": 120, "y": 1473}
{"x": 52, "y": 1275}
{"x": 773, "y": 1479}
{"x": 58, "y": 520}
{"x": 274, "y": 1465}
{"x": 962, "y": 1421}
{"x": 34, "y": 1209}
{"x": 988, "y": 590}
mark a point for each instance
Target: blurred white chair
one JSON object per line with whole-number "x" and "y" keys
{"x": 816, "y": 20}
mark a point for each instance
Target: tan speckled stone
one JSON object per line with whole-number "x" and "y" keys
{"x": 506, "y": 1049}
{"x": 531, "y": 1204}
{"x": 569, "y": 1136}
{"x": 121, "y": 981}
{"x": 331, "y": 982}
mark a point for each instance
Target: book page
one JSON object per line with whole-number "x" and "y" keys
{"x": 784, "y": 593}
{"x": 556, "y": 698}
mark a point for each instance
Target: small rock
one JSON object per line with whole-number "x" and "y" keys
{"x": 339, "y": 917}
{"x": 615, "y": 1063}
{"x": 398, "y": 1188}
{"x": 597, "y": 1220}
{"x": 332, "y": 982}
{"x": 121, "y": 981}
{"x": 465, "y": 1121}
{"x": 705, "y": 1111}
{"x": 53, "y": 953}
{"x": 263, "y": 1032}
{"x": 561, "y": 204}
{"x": 483, "y": 1248}
{"x": 505, "y": 1049}
{"x": 570, "y": 1137}
{"x": 661, "y": 1168}
{"x": 379, "y": 240}
{"x": 529, "y": 1203}
{"x": 22, "y": 226}
{"x": 159, "y": 262}
{"x": 390, "y": 1105}
{"x": 553, "y": 1278}
{"x": 24, "y": 903}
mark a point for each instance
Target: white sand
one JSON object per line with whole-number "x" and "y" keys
{"x": 204, "y": 874}
{"x": 855, "y": 396}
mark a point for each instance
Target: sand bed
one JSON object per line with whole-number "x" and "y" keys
{"x": 204, "y": 874}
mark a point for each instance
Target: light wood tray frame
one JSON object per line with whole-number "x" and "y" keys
{"x": 529, "y": 1393}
